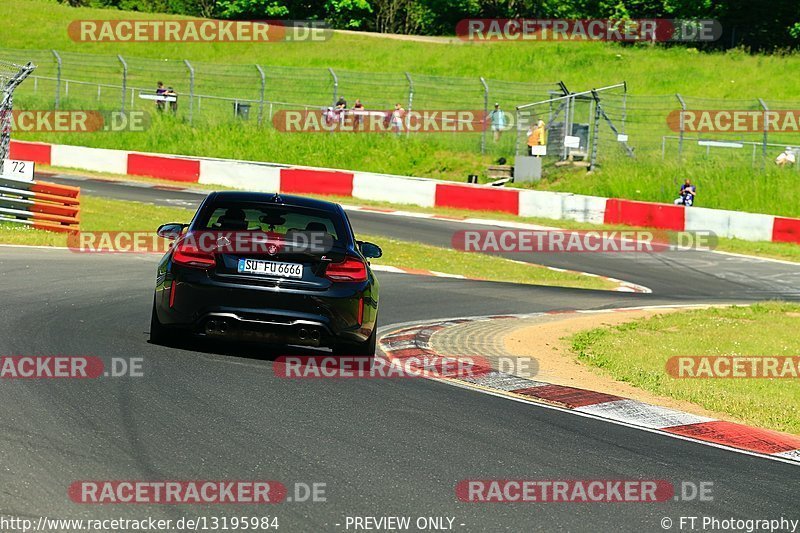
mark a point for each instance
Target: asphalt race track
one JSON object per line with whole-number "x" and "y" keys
{"x": 382, "y": 447}
{"x": 676, "y": 275}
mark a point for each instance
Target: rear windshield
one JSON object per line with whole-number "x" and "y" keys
{"x": 241, "y": 216}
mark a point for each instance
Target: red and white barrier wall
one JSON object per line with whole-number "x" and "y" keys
{"x": 424, "y": 192}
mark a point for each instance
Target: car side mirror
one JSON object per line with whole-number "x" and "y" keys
{"x": 170, "y": 231}
{"x": 370, "y": 250}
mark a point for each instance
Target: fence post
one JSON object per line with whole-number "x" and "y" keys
{"x": 568, "y": 114}
{"x": 335, "y": 85}
{"x": 58, "y": 78}
{"x": 624, "y": 104}
{"x": 766, "y": 132}
{"x": 596, "y": 136}
{"x": 485, "y": 113}
{"x": 410, "y": 97}
{"x": 682, "y": 102}
{"x": 263, "y": 88}
{"x": 124, "y": 80}
{"x": 191, "y": 88}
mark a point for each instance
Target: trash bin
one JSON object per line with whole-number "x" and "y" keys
{"x": 241, "y": 110}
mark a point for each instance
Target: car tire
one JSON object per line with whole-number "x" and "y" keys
{"x": 158, "y": 332}
{"x": 363, "y": 349}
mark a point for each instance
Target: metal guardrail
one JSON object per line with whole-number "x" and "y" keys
{"x": 709, "y": 143}
{"x": 39, "y": 204}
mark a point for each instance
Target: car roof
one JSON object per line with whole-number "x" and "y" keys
{"x": 268, "y": 197}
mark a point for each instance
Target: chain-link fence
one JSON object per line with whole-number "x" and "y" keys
{"x": 567, "y": 128}
{"x": 609, "y": 122}
{"x": 210, "y": 93}
{"x": 582, "y": 126}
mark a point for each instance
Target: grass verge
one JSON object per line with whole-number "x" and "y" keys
{"x": 102, "y": 214}
{"x": 371, "y": 71}
{"x": 425, "y": 257}
{"x": 637, "y": 352}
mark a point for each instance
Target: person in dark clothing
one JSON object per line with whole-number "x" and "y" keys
{"x": 687, "y": 194}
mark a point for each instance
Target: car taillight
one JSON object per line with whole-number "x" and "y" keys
{"x": 187, "y": 253}
{"x": 351, "y": 269}
{"x": 172, "y": 290}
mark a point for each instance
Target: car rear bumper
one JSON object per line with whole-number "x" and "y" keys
{"x": 205, "y": 306}
{"x": 291, "y": 331}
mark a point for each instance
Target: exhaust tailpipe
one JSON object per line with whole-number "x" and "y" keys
{"x": 216, "y": 327}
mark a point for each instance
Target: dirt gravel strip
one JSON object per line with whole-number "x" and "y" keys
{"x": 546, "y": 381}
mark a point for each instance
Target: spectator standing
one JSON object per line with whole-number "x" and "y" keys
{"x": 397, "y": 118}
{"x": 536, "y": 137}
{"x": 173, "y": 106}
{"x": 160, "y": 90}
{"x": 341, "y": 109}
{"x": 498, "y": 121}
{"x": 358, "y": 112}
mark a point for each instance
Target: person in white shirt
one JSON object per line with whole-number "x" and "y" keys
{"x": 787, "y": 157}
{"x": 397, "y": 118}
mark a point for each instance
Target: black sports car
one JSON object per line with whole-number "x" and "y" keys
{"x": 269, "y": 268}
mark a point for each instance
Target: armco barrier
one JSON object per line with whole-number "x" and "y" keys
{"x": 94, "y": 159}
{"x": 39, "y": 204}
{"x": 423, "y": 192}
{"x": 240, "y": 175}
{"x": 477, "y": 197}
{"x": 543, "y": 204}
{"x": 28, "y": 151}
{"x": 649, "y": 215}
{"x": 786, "y": 229}
{"x": 173, "y": 168}
{"x": 313, "y": 181}
{"x": 394, "y": 189}
{"x": 731, "y": 224}
{"x": 584, "y": 208}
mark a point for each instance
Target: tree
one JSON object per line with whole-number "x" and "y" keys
{"x": 348, "y": 14}
{"x": 252, "y": 9}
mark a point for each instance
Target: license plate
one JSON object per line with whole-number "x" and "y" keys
{"x": 270, "y": 268}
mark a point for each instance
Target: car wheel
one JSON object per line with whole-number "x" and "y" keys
{"x": 158, "y": 333}
{"x": 365, "y": 349}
